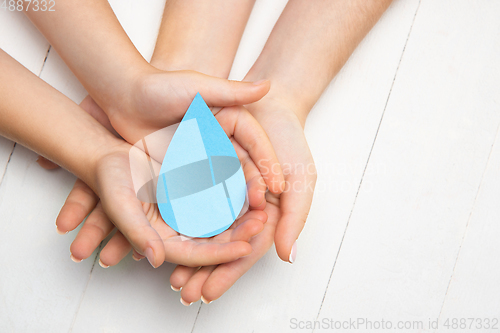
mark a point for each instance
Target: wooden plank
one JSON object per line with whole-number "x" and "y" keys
{"x": 259, "y": 26}
{"x": 340, "y": 130}
{"x": 474, "y": 289}
{"x": 134, "y": 296}
{"x": 40, "y": 286}
{"x": 141, "y": 21}
{"x": 403, "y": 236}
{"x": 408, "y": 221}
{"x": 6, "y": 147}
{"x": 34, "y": 297}
{"x": 22, "y": 41}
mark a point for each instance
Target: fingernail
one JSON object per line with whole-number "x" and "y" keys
{"x": 175, "y": 289}
{"x": 257, "y": 83}
{"x": 136, "y": 258}
{"x": 150, "y": 255}
{"x": 61, "y": 232}
{"x": 103, "y": 265}
{"x": 293, "y": 253}
{"x": 74, "y": 259}
{"x": 183, "y": 302}
{"x": 204, "y": 300}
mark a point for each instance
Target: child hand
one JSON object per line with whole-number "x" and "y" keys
{"x": 225, "y": 247}
{"x": 250, "y": 143}
{"x": 155, "y": 99}
{"x": 91, "y": 107}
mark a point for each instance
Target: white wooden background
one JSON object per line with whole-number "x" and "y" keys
{"x": 406, "y": 217}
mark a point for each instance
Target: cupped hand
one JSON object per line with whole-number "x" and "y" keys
{"x": 286, "y": 213}
{"x": 156, "y": 99}
{"x": 225, "y": 247}
{"x": 284, "y": 124}
{"x": 142, "y": 226}
{"x": 250, "y": 143}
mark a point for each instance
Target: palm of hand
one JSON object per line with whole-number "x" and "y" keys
{"x": 121, "y": 204}
{"x": 287, "y": 136}
{"x": 286, "y": 213}
{"x": 141, "y": 222}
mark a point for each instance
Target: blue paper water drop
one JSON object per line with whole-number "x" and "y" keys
{"x": 201, "y": 187}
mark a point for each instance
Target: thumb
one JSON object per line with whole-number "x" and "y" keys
{"x": 222, "y": 92}
{"x": 295, "y": 203}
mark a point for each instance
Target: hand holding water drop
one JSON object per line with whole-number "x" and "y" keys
{"x": 156, "y": 99}
{"x": 250, "y": 143}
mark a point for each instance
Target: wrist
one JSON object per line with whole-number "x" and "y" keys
{"x": 214, "y": 66}
{"x": 104, "y": 148}
{"x": 114, "y": 93}
{"x": 280, "y": 97}
{"x": 119, "y": 98}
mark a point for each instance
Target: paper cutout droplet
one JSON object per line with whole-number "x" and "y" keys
{"x": 201, "y": 187}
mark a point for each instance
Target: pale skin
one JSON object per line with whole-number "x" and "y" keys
{"x": 124, "y": 86}
{"x": 326, "y": 34}
{"x": 137, "y": 97}
{"x": 79, "y": 143}
{"x": 186, "y": 44}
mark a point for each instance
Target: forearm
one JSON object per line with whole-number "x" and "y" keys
{"x": 201, "y": 35}
{"x": 42, "y": 119}
{"x": 91, "y": 41}
{"x": 309, "y": 45}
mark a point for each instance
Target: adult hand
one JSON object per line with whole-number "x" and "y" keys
{"x": 250, "y": 143}
{"x": 286, "y": 214}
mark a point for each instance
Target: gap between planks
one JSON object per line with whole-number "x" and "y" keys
{"x": 84, "y": 290}
{"x": 100, "y": 245}
{"x": 196, "y": 318}
{"x": 368, "y": 159}
{"x": 468, "y": 220}
{"x": 45, "y": 60}
{"x": 2, "y": 176}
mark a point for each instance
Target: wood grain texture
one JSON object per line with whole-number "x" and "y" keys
{"x": 340, "y": 131}
{"x": 404, "y": 221}
{"x": 435, "y": 140}
{"x": 6, "y": 149}
{"x": 259, "y": 26}
{"x": 473, "y": 288}
{"x": 40, "y": 286}
{"x": 20, "y": 38}
{"x": 132, "y": 297}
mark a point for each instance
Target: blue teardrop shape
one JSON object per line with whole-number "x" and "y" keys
{"x": 201, "y": 187}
